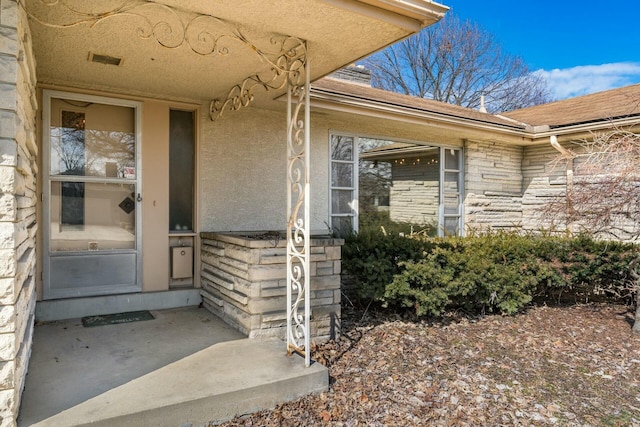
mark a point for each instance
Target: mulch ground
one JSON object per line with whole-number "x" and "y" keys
{"x": 567, "y": 366}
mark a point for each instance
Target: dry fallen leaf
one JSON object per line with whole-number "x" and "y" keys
{"x": 549, "y": 366}
{"x": 325, "y": 415}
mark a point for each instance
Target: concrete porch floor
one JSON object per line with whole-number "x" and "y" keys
{"x": 185, "y": 367}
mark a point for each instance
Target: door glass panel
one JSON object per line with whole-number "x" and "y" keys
{"x": 92, "y": 140}
{"x": 92, "y": 216}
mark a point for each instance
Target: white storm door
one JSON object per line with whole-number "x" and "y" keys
{"x": 91, "y": 195}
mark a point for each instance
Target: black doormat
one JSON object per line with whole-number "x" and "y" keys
{"x": 114, "y": 319}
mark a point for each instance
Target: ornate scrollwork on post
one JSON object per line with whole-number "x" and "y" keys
{"x": 285, "y": 66}
{"x": 298, "y": 206}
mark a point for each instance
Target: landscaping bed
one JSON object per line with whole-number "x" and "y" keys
{"x": 572, "y": 366}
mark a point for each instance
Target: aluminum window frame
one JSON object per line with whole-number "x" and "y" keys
{"x": 442, "y": 170}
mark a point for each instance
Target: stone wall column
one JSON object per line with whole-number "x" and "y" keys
{"x": 493, "y": 186}
{"x": 18, "y": 168}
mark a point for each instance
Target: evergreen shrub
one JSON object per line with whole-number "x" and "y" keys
{"x": 488, "y": 272}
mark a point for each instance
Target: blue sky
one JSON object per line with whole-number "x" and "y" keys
{"x": 580, "y": 46}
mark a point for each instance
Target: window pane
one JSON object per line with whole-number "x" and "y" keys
{"x": 451, "y": 193}
{"x": 451, "y": 226}
{"x": 92, "y": 216}
{"x": 374, "y": 184}
{"x": 341, "y": 201}
{"x": 451, "y": 204}
{"x": 341, "y": 147}
{"x": 342, "y": 225}
{"x": 451, "y": 178}
{"x": 181, "y": 170}
{"x": 451, "y": 159}
{"x": 342, "y": 175}
{"x": 92, "y": 140}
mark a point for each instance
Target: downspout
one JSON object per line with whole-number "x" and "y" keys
{"x": 569, "y": 157}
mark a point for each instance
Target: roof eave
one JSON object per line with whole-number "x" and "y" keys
{"x": 578, "y": 129}
{"x": 425, "y": 11}
{"x": 345, "y": 103}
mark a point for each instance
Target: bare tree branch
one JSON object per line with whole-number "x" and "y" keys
{"x": 603, "y": 192}
{"x": 458, "y": 62}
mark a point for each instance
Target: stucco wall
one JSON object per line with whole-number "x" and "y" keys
{"x": 18, "y": 169}
{"x": 493, "y": 185}
{"x": 243, "y": 163}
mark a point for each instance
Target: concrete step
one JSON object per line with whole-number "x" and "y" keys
{"x": 185, "y": 367}
{"x": 215, "y": 384}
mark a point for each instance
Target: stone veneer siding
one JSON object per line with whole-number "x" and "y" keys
{"x": 542, "y": 183}
{"x": 507, "y": 187}
{"x": 18, "y": 225}
{"x": 244, "y": 283}
{"x": 493, "y": 186}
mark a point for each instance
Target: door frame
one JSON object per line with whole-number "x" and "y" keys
{"x": 47, "y": 291}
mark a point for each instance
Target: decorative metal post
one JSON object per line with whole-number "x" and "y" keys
{"x": 298, "y": 212}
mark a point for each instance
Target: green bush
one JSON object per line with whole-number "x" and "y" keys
{"x": 372, "y": 257}
{"x": 492, "y": 272}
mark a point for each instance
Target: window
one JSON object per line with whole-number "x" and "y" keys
{"x": 379, "y": 182}
{"x": 181, "y": 170}
{"x": 344, "y": 205}
{"x": 451, "y": 192}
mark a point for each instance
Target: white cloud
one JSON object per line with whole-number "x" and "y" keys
{"x": 584, "y": 79}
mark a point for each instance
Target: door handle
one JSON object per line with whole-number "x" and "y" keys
{"x": 139, "y": 198}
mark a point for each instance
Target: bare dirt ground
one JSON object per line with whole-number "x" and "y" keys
{"x": 567, "y": 366}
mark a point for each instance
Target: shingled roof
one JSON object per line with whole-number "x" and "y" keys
{"x": 608, "y": 105}
{"x": 596, "y": 107}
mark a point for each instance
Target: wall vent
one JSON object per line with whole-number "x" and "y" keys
{"x": 105, "y": 59}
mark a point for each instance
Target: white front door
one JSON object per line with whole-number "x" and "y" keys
{"x": 91, "y": 195}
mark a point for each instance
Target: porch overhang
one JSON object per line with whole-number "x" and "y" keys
{"x": 156, "y": 40}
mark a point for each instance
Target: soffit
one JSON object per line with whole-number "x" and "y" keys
{"x": 336, "y": 35}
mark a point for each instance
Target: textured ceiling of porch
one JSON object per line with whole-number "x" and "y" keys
{"x": 337, "y": 32}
